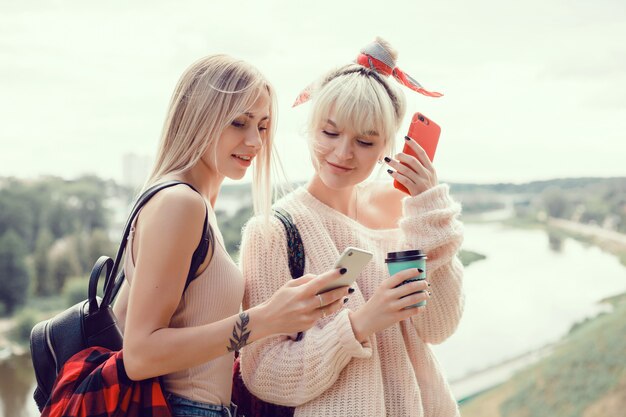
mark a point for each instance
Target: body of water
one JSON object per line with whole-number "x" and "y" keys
{"x": 528, "y": 293}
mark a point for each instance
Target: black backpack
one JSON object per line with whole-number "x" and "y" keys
{"x": 91, "y": 322}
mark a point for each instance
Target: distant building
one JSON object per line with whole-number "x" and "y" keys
{"x": 135, "y": 170}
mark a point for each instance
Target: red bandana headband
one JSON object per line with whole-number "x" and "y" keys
{"x": 376, "y": 58}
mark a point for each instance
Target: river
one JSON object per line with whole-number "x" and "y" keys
{"x": 528, "y": 293}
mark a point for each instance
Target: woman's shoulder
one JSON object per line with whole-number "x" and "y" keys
{"x": 381, "y": 202}
{"x": 261, "y": 227}
{"x": 271, "y": 227}
{"x": 174, "y": 208}
{"x": 292, "y": 199}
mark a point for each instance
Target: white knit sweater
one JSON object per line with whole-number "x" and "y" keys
{"x": 329, "y": 373}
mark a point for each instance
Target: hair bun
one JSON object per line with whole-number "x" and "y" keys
{"x": 381, "y": 50}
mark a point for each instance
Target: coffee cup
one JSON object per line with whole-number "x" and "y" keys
{"x": 399, "y": 261}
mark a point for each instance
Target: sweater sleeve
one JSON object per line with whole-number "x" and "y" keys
{"x": 430, "y": 223}
{"x": 279, "y": 369}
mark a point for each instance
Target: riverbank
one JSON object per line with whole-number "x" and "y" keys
{"x": 10, "y": 347}
{"x": 582, "y": 375}
{"x": 7, "y": 347}
{"x": 607, "y": 240}
{"x": 585, "y": 375}
{"x": 479, "y": 382}
{"x": 15, "y": 329}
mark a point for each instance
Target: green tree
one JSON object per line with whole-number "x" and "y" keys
{"x": 555, "y": 202}
{"x": 60, "y": 220}
{"x": 63, "y": 207}
{"x": 16, "y": 214}
{"x": 89, "y": 247}
{"x": 41, "y": 259}
{"x": 87, "y": 197}
{"x": 14, "y": 277}
{"x": 79, "y": 243}
{"x": 75, "y": 290}
{"x": 231, "y": 228}
{"x": 99, "y": 244}
{"x": 64, "y": 264}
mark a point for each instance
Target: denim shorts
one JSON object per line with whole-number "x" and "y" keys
{"x": 182, "y": 407}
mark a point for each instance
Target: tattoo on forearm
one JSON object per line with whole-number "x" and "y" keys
{"x": 240, "y": 333}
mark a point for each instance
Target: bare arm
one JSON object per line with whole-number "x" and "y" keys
{"x": 168, "y": 232}
{"x": 121, "y": 304}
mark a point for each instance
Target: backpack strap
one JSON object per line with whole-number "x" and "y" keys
{"x": 114, "y": 280}
{"x": 295, "y": 248}
{"x": 207, "y": 241}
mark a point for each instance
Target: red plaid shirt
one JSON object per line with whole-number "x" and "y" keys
{"x": 93, "y": 383}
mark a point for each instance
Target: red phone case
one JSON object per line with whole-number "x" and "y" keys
{"x": 426, "y": 133}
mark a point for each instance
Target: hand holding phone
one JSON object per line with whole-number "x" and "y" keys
{"x": 354, "y": 260}
{"x": 426, "y": 133}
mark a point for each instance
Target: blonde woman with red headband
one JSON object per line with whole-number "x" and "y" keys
{"x": 371, "y": 358}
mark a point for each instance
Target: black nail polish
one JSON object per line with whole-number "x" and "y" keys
{"x": 350, "y": 290}
{"x": 345, "y": 300}
{"x": 390, "y": 171}
{"x": 343, "y": 271}
{"x": 387, "y": 159}
{"x": 420, "y": 270}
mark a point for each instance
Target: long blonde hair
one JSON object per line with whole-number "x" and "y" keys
{"x": 210, "y": 94}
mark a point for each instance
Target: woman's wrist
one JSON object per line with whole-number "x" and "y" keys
{"x": 260, "y": 323}
{"x": 361, "y": 333}
{"x": 434, "y": 198}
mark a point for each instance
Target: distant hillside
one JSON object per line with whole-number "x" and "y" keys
{"x": 536, "y": 187}
{"x": 533, "y": 187}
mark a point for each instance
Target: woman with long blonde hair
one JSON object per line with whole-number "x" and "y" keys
{"x": 220, "y": 122}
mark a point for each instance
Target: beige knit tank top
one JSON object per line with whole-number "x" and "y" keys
{"x": 212, "y": 296}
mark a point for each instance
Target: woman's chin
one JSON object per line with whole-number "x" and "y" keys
{"x": 335, "y": 183}
{"x": 235, "y": 174}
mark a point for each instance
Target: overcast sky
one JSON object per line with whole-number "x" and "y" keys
{"x": 533, "y": 90}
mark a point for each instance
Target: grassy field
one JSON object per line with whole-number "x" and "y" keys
{"x": 584, "y": 377}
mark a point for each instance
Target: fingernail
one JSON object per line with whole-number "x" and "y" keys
{"x": 420, "y": 270}
{"x": 343, "y": 271}
{"x": 407, "y": 138}
{"x": 387, "y": 159}
{"x": 345, "y": 300}
{"x": 350, "y": 290}
{"x": 390, "y": 171}
{"x": 428, "y": 284}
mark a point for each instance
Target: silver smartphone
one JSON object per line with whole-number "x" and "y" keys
{"x": 354, "y": 260}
